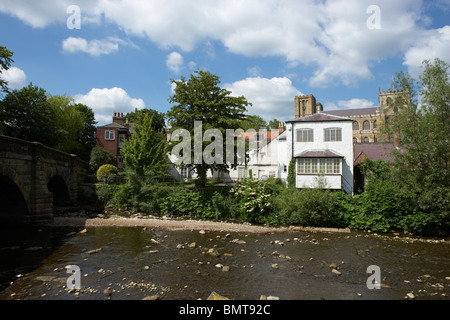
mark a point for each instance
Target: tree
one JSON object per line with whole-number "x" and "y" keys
{"x": 5, "y": 63}
{"x": 70, "y": 123}
{"x": 99, "y": 157}
{"x": 86, "y": 138}
{"x": 145, "y": 153}
{"x": 158, "y": 122}
{"x": 274, "y": 124}
{"x": 201, "y": 99}
{"x": 26, "y": 114}
{"x": 421, "y": 166}
{"x": 253, "y": 122}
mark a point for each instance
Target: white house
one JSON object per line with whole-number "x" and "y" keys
{"x": 322, "y": 146}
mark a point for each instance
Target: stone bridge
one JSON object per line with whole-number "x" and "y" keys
{"x": 34, "y": 179}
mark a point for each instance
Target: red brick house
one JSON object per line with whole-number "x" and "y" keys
{"x": 112, "y": 136}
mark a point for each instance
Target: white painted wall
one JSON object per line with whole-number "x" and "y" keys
{"x": 344, "y": 148}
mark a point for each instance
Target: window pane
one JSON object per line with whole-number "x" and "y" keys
{"x": 300, "y": 166}
{"x": 305, "y": 135}
{"x": 322, "y": 165}
{"x": 314, "y": 165}
{"x": 307, "y": 165}
{"x": 337, "y": 166}
{"x": 329, "y": 166}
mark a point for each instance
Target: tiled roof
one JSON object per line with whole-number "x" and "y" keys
{"x": 374, "y": 151}
{"x": 112, "y": 125}
{"x": 353, "y": 112}
{"x": 319, "y": 117}
{"x": 318, "y": 154}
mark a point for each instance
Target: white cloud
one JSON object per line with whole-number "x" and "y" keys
{"x": 331, "y": 37}
{"x": 175, "y": 62}
{"x": 271, "y": 98}
{"x": 15, "y": 77}
{"x": 104, "y": 102}
{"x": 435, "y": 44}
{"x": 348, "y": 104}
{"x": 92, "y": 47}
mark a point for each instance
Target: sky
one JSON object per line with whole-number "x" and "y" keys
{"x": 117, "y": 55}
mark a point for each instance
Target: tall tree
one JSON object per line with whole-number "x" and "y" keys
{"x": 202, "y": 99}
{"x": 145, "y": 152}
{"x": 5, "y": 63}
{"x": 158, "y": 122}
{"x": 26, "y": 114}
{"x": 421, "y": 165}
{"x": 86, "y": 138}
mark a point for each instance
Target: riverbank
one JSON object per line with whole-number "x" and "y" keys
{"x": 168, "y": 223}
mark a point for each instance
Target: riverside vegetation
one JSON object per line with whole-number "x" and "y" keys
{"x": 381, "y": 207}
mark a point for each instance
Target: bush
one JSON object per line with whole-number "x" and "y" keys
{"x": 106, "y": 170}
{"x": 310, "y": 207}
{"x": 254, "y": 199}
{"x": 106, "y": 192}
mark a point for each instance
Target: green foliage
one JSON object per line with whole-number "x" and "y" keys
{"x": 254, "y": 198}
{"x": 145, "y": 152}
{"x": 106, "y": 170}
{"x": 202, "y": 99}
{"x": 26, "y": 114}
{"x": 158, "y": 123}
{"x": 5, "y": 63}
{"x": 99, "y": 157}
{"x": 291, "y": 174}
{"x": 311, "y": 207}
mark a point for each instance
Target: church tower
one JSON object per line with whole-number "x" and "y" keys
{"x": 305, "y": 105}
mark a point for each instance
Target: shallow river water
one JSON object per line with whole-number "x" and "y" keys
{"x": 134, "y": 263}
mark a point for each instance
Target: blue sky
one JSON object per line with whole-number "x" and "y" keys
{"x": 125, "y": 52}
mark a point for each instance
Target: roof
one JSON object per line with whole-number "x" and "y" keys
{"x": 319, "y": 117}
{"x": 374, "y": 151}
{"x": 318, "y": 154}
{"x": 113, "y": 125}
{"x": 353, "y": 112}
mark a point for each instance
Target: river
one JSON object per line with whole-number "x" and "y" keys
{"x": 120, "y": 263}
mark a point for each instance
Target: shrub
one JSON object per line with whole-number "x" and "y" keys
{"x": 254, "y": 199}
{"x": 106, "y": 192}
{"x": 106, "y": 170}
{"x": 310, "y": 207}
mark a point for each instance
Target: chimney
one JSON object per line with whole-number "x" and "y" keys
{"x": 118, "y": 118}
{"x": 281, "y": 128}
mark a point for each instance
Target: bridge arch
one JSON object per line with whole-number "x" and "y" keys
{"x": 13, "y": 206}
{"x": 60, "y": 191}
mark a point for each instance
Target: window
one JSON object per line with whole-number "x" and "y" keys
{"x": 305, "y": 135}
{"x": 333, "y": 134}
{"x": 366, "y": 139}
{"x": 355, "y": 125}
{"x": 366, "y": 125}
{"x": 110, "y": 135}
{"x": 319, "y": 165}
{"x": 355, "y": 140}
{"x": 185, "y": 173}
{"x": 259, "y": 137}
{"x": 121, "y": 140}
{"x": 375, "y": 124}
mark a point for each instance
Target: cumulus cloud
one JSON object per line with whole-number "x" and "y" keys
{"x": 331, "y": 37}
{"x": 15, "y": 77}
{"x": 270, "y": 98}
{"x": 348, "y": 104}
{"x": 104, "y": 102}
{"x": 175, "y": 62}
{"x": 92, "y": 47}
{"x": 435, "y": 44}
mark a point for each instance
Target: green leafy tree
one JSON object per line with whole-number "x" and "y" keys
{"x": 5, "y": 63}
{"x": 26, "y": 114}
{"x": 86, "y": 139}
{"x": 99, "y": 157}
{"x": 421, "y": 166}
{"x": 158, "y": 122}
{"x": 253, "y": 122}
{"x": 145, "y": 153}
{"x": 274, "y": 124}
{"x": 202, "y": 99}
